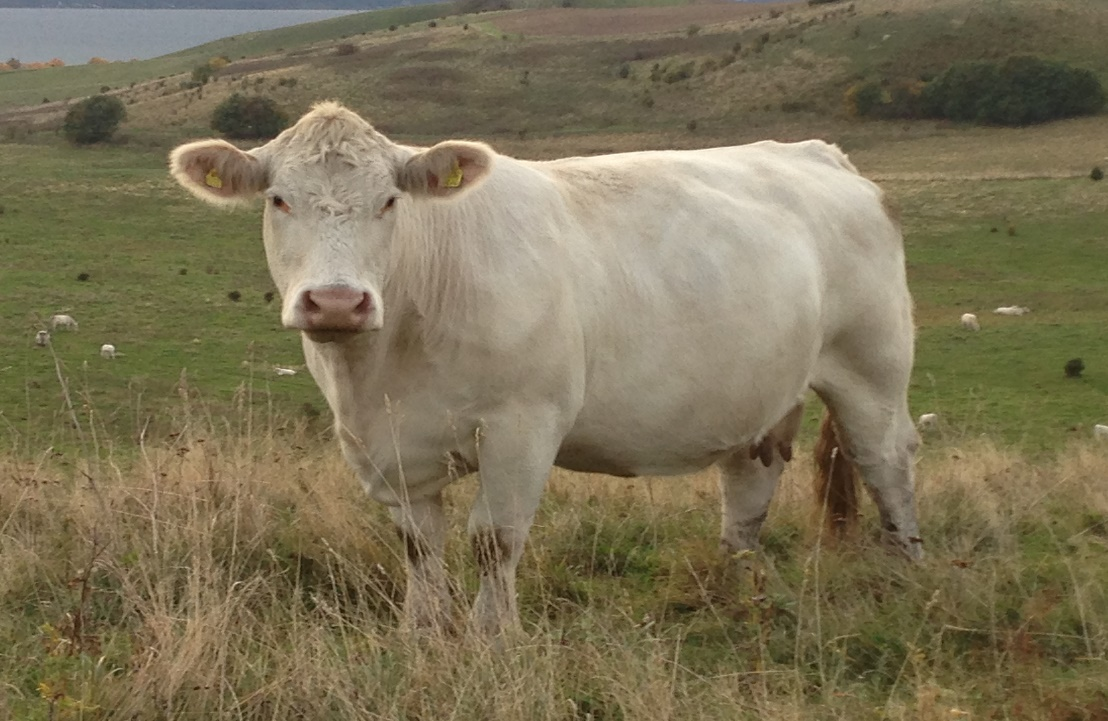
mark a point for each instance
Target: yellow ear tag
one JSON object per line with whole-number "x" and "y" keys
{"x": 454, "y": 180}
{"x": 212, "y": 179}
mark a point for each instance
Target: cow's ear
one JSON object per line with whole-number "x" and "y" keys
{"x": 218, "y": 172}
{"x": 446, "y": 169}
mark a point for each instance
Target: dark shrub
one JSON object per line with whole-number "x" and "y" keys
{"x": 392, "y": 28}
{"x": 94, "y": 119}
{"x": 1074, "y": 368}
{"x": 201, "y": 74}
{"x": 183, "y": 271}
{"x": 234, "y": 296}
{"x": 1021, "y": 90}
{"x": 624, "y": 70}
{"x": 873, "y": 99}
{"x": 269, "y": 296}
{"x": 346, "y": 49}
{"x": 249, "y": 117}
{"x": 82, "y": 276}
{"x": 1097, "y": 173}
{"x": 682, "y": 72}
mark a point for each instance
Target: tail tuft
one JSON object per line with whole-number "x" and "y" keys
{"x": 835, "y": 486}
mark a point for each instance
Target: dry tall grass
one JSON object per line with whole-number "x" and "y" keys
{"x": 242, "y": 575}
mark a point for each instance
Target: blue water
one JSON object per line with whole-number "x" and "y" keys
{"x": 75, "y": 35}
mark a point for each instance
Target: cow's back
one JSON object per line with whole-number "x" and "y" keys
{"x": 706, "y": 282}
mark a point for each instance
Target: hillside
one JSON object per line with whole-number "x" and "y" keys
{"x": 213, "y": 4}
{"x": 526, "y": 73}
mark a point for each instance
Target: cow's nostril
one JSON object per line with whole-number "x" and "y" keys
{"x": 309, "y": 305}
{"x": 363, "y": 307}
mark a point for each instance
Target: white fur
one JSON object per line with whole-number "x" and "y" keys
{"x": 928, "y": 420}
{"x": 1100, "y": 431}
{"x": 634, "y": 314}
{"x": 970, "y": 322}
{"x": 107, "y": 351}
{"x": 62, "y": 321}
{"x": 1012, "y": 310}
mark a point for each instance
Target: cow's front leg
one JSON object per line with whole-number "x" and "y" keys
{"x": 514, "y": 467}
{"x": 422, "y": 528}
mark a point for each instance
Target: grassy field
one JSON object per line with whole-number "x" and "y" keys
{"x": 179, "y": 538}
{"x": 227, "y": 575}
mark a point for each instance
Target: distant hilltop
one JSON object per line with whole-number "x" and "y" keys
{"x": 214, "y": 4}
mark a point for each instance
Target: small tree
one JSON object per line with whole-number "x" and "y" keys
{"x": 249, "y": 117}
{"x": 202, "y": 73}
{"x": 94, "y": 119}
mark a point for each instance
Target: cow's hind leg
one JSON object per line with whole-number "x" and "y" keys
{"x": 746, "y": 488}
{"x": 748, "y": 480}
{"x": 422, "y": 528}
{"x": 879, "y": 437}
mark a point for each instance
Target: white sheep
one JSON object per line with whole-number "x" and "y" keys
{"x": 62, "y": 321}
{"x": 1012, "y": 310}
{"x": 42, "y": 338}
{"x": 928, "y": 420}
{"x": 107, "y": 351}
{"x": 969, "y": 322}
{"x": 1100, "y": 431}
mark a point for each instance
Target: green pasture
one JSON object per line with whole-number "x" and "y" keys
{"x": 161, "y": 267}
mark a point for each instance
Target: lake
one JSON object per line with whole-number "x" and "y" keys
{"x": 75, "y": 35}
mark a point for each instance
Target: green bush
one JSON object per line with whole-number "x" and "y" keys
{"x": 1021, "y": 90}
{"x": 873, "y": 99}
{"x": 201, "y": 74}
{"x": 252, "y": 117}
{"x": 682, "y": 72}
{"x": 94, "y": 119}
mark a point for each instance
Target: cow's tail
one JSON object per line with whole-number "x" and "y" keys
{"x": 835, "y": 482}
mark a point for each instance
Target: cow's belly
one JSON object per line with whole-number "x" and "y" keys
{"x": 675, "y": 401}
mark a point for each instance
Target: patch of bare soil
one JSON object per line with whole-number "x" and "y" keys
{"x": 627, "y": 21}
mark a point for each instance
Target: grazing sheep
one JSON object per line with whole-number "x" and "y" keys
{"x": 1012, "y": 310}
{"x": 1100, "y": 431}
{"x": 928, "y": 420}
{"x": 107, "y": 351}
{"x": 62, "y": 321}
{"x": 969, "y": 322}
{"x": 42, "y": 338}
{"x": 284, "y": 371}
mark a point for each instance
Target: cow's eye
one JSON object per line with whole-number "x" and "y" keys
{"x": 280, "y": 204}
{"x": 389, "y": 203}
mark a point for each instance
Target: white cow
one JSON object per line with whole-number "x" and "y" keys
{"x": 969, "y": 322}
{"x": 633, "y": 314}
{"x": 62, "y": 321}
{"x": 927, "y": 421}
{"x": 107, "y": 351}
{"x": 42, "y": 338}
{"x": 1100, "y": 431}
{"x": 1012, "y": 310}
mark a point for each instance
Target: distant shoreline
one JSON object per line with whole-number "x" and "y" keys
{"x": 350, "y": 5}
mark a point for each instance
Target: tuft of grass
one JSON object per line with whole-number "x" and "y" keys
{"x": 229, "y": 572}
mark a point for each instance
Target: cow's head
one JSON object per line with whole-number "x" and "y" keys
{"x": 334, "y": 188}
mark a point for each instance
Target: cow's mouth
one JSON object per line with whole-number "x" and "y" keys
{"x": 331, "y": 336}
